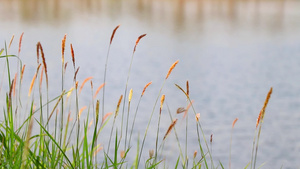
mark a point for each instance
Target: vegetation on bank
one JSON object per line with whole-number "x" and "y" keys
{"x": 67, "y": 142}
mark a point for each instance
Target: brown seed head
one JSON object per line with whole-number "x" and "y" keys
{"x": 63, "y": 44}
{"x": 162, "y": 99}
{"x": 75, "y": 75}
{"x": 22, "y": 73}
{"x": 65, "y": 68}
{"x": 14, "y": 84}
{"x": 38, "y": 52}
{"x": 262, "y": 112}
{"x": 266, "y": 103}
{"x": 97, "y": 91}
{"x": 118, "y": 106}
{"x": 44, "y": 61}
{"x": 146, "y": 88}
{"x": 33, "y": 80}
{"x": 113, "y": 34}
{"x": 187, "y": 88}
{"x": 234, "y": 121}
{"x": 20, "y": 43}
{"x": 170, "y": 128}
{"x": 122, "y": 154}
{"x": 197, "y": 116}
{"x": 195, "y": 153}
{"x": 11, "y": 40}
{"x": 73, "y": 55}
{"x": 82, "y": 84}
{"x": 258, "y": 118}
{"x": 171, "y": 68}
{"x": 137, "y": 41}
{"x": 76, "y": 85}
{"x": 180, "y": 110}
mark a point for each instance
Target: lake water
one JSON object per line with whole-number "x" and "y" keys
{"x": 231, "y": 52}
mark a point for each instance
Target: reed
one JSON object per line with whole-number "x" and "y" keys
{"x": 127, "y": 81}
{"x": 259, "y": 123}
{"x": 146, "y": 131}
{"x": 105, "y": 69}
{"x": 55, "y": 141}
{"x": 232, "y": 126}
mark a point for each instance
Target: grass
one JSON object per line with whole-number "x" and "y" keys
{"x": 58, "y": 141}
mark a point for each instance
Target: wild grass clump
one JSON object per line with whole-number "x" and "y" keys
{"x": 44, "y": 132}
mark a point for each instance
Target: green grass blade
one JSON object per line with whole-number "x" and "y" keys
{"x": 49, "y": 135}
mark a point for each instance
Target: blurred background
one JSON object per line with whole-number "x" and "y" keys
{"x": 231, "y": 51}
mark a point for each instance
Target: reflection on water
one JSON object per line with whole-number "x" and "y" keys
{"x": 257, "y": 13}
{"x": 231, "y": 51}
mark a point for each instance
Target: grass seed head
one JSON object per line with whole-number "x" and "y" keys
{"x": 11, "y": 40}
{"x": 75, "y": 75}
{"x": 73, "y": 55}
{"x": 187, "y": 88}
{"x": 20, "y": 43}
{"x": 137, "y": 41}
{"x": 85, "y": 80}
{"x": 118, "y": 106}
{"x": 76, "y": 85}
{"x": 97, "y": 91}
{"x": 33, "y": 80}
{"x": 80, "y": 111}
{"x": 14, "y": 84}
{"x": 38, "y": 52}
{"x": 44, "y": 61}
{"x": 22, "y": 73}
{"x": 63, "y": 44}
{"x": 113, "y": 34}
{"x": 122, "y": 154}
{"x": 130, "y": 95}
{"x": 170, "y": 128}
{"x": 151, "y": 153}
{"x": 234, "y": 121}
{"x": 171, "y": 68}
{"x": 197, "y": 116}
{"x": 262, "y": 111}
{"x": 195, "y": 153}
{"x": 180, "y": 110}
{"x": 162, "y": 100}
{"x": 146, "y": 86}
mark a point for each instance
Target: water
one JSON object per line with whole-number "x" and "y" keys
{"x": 231, "y": 52}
